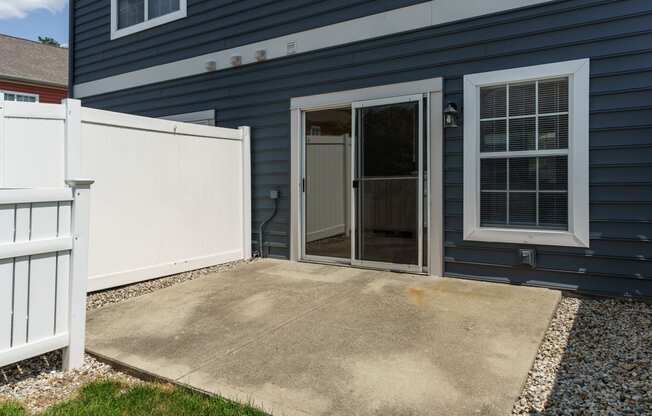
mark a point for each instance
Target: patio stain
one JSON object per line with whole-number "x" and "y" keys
{"x": 424, "y": 295}
{"x": 416, "y": 295}
{"x": 255, "y": 306}
{"x": 378, "y": 285}
{"x": 400, "y": 383}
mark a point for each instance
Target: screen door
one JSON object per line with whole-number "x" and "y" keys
{"x": 387, "y": 183}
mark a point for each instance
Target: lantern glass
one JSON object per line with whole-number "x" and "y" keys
{"x": 451, "y": 116}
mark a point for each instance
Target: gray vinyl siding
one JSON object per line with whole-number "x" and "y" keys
{"x": 616, "y": 35}
{"x": 211, "y": 25}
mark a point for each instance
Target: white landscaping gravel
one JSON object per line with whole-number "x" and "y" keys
{"x": 595, "y": 359}
{"x": 39, "y": 382}
{"x": 108, "y": 297}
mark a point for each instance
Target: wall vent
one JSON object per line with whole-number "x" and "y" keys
{"x": 292, "y": 48}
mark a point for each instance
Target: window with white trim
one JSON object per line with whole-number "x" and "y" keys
{"x": 20, "y": 96}
{"x": 131, "y": 16}
{"x": 526, "y": 155}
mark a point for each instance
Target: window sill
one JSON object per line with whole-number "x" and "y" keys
{"x": 525, "y": 236}
{"x": 157, "y": 21}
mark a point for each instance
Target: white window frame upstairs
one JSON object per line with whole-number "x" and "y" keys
{"x": 25, "y": 94}
{"x": 147, "y": 23}
{"x": 577, "y": 235}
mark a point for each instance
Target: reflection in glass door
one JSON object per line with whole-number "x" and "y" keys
{"x": 388, "y": 186}
{"x": 327, "y": 185}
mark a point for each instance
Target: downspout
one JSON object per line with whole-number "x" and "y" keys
{"x": 273, "y": 195}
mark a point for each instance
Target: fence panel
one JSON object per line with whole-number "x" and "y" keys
{"x": 168, "y": 196}
{"x": 32, "y": 139}
{"x": 35, "y": 233}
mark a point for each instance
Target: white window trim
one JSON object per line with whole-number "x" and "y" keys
{"x": 26, "y": 94}
{"x": 578, "y": 156}
{"x": 148, "y": 23}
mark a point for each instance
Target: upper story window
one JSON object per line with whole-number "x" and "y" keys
{"x": 526, "y": 155}
{"x": 20, "y": 96}
{"x": 130, "y": 16}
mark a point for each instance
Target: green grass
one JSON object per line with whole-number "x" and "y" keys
{"x": 11, "y": 409}
{"x": 109, "y": 398}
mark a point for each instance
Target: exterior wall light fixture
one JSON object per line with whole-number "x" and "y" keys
{"x": 451, "y": 116}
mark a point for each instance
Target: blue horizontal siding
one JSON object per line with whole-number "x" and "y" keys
{"x": 211, "y": 25}
{"x": 616, "y": 35}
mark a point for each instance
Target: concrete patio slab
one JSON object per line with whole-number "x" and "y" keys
{"x": 323, "y": 340}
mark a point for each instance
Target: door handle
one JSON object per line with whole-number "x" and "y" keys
{"x": 356, "y": 183}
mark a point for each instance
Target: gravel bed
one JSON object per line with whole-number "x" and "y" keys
{"x": 38, "y": 383}
{"x": 109, "y": 297}
{"x": 595, "y": 359}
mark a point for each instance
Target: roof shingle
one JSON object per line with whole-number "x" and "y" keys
{"x": 26, "y": 60}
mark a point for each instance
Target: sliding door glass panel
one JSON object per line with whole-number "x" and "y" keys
{"x": 327, "y": 173}
{"x": 387, "y": 184}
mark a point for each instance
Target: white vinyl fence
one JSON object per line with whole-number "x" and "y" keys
{"x": 167, "y": 197}
{"x": 43, "y": 276}
{"x": 328, "y": 181}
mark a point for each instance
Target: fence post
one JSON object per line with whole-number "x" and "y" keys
{"x": 73, "y": 139}
{"x": 73, "y": 356}
{"x": 3, "y": 157}
{"x": 246, "y": 191}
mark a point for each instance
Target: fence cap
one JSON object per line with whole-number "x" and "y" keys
{"x": 75, "y": 183}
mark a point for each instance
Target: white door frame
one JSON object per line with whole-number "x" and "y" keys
{"x": 432, "y": 88}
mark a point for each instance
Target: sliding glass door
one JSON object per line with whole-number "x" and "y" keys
{"x": 363, "y": 184}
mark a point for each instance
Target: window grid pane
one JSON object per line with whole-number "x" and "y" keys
{"x": 493, "y": 136}
{"x": 522, "y": 99}
{"x": 130, "y": 12}
{"x": 161, "y": 7}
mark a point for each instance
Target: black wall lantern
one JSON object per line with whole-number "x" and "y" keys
{"x": 451, "y": 116}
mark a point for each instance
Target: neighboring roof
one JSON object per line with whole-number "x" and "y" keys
{"x": 26, "y": 60}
